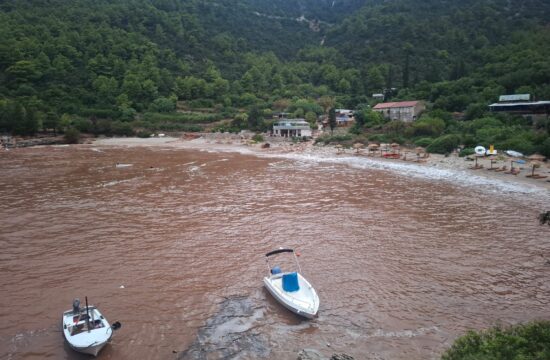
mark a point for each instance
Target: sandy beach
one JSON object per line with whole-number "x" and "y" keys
{"x": 409, "y": 160}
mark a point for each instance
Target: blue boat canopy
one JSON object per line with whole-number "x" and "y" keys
{"x": 290, "y": 282}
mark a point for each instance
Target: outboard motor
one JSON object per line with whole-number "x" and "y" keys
{"x": 76, "y": 306}
{"x": 116, "y": 325}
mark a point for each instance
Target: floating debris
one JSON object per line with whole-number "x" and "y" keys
{"x": 119, "y": 165}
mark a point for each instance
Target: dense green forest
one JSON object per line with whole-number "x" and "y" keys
{"x": 117, "y": 67}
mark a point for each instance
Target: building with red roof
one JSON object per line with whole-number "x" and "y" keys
{"x": 402, "y": 110}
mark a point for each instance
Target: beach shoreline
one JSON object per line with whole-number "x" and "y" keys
{"x": 279, "y": 147}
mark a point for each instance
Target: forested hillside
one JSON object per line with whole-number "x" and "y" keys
{"x": 111, "y": 67}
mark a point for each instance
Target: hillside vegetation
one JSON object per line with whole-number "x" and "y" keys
{"x": 106, "y": 67}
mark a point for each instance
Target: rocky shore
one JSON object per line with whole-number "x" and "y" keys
{"x": 17, "y": 142}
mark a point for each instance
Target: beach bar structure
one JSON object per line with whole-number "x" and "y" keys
{"x": 525, "y": 108}
{"x": 292, "y": 128}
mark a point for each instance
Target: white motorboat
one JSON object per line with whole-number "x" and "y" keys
{"x": 86, "y": 329}
{"x": 291, "y": 289}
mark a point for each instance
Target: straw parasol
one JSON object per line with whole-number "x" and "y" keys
{"x": 420, "y": 150}
{"x": 535, "y": 164}
{"x": 394, "y": 145}
{"x": 373, "y": 148}
{"x": 537, "y": 157}
{"x": 358, "y": 146}
{"x": 338, "y": 148}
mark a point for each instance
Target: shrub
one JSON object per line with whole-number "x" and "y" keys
{"x": 466, "y": 152}
{"x": 83, "y": 125}
{"x": 143, "y": 134}
{"x": 194, "y": 118}
{"x": 121, "y": 128}
{"x": 163, "y": 105}
{"x": 127, "y": 113}
{"x": 469, "y": 141}
{"x": 526, "y": 341}
{"x": 544, "y": 148}
{"x": 200, "y": 103}
{"x": 258, "y": 138}
{"x": 103, "y": 126}
{"x": 383, "y": 138}
{"x": 427, "y": 127}
{"x": 72, "y": 136}
{"x": 517, "y": 143}
{"x": 424, "y": 142}
{"x": 443, "y": 144}
{"x": 475, "y": 111}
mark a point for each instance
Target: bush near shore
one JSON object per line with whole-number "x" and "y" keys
{"x": 439, "y": 132}
{"x": 524, "y": 341}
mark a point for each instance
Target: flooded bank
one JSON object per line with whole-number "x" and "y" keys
{"x": 403, "y": 264}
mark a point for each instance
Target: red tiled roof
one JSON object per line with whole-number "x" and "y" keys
{"x": 395, "y": 104}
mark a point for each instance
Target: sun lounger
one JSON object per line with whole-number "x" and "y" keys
{"x": 501, "y": 169}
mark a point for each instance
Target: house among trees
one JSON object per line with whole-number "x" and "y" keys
{"x": 403, "y": 110}
{"x": 521, "y": 104}
{"x": 292, "y": 128}
{"x": 344, "y": 117}
{"x": 378, "y": 96}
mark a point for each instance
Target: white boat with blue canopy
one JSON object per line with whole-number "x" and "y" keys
{"x": 291, "y": 289}
{"x": 86, "y": 329}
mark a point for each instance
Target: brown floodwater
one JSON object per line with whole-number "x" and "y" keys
{"x": 403, "y": 263}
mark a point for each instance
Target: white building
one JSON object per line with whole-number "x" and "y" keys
{"x": 292, "y": 128}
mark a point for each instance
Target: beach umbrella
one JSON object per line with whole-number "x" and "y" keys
{"x": 358, "y": 146}
{"x": 373, "y": 146}
{"x": 535, "y": 164}
{"x": 419, "y": 150}
{"x": 536, "y": 157}
{"x": 394, "y": 145}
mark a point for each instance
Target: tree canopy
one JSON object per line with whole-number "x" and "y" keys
{"x": 118, "y": 60}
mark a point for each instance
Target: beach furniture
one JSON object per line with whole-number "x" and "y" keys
{"x": 476, "y": 166}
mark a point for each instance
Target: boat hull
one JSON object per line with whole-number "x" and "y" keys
{"x": 305, "y": 304}
{"x": 90, "y": 350}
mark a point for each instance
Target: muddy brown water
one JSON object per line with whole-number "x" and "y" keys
{"x": 403, "y": 265}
